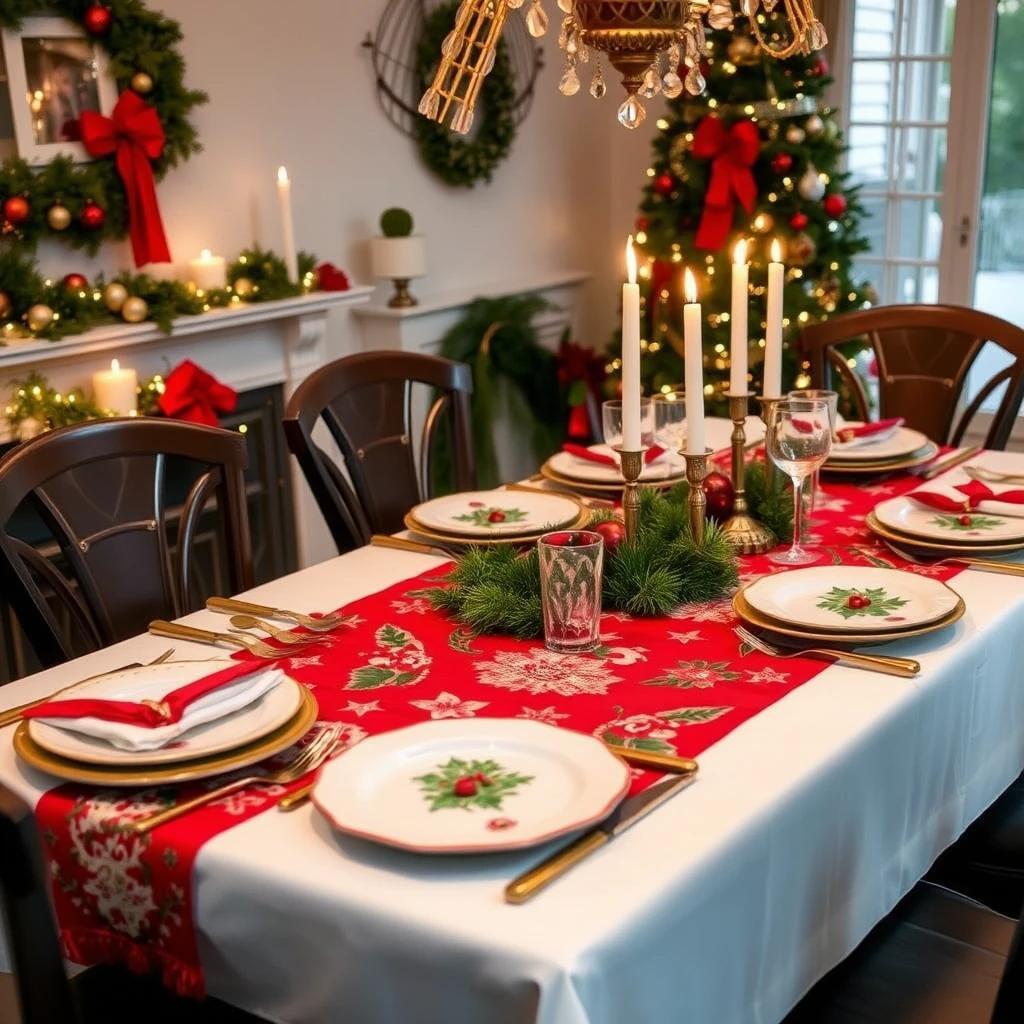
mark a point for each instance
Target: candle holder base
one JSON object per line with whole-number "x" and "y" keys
{"x": 696, "y": 471}
{"x": 746, "y": 534}
{"x": 403, "y": 298}
{"x": 632, "y": 465}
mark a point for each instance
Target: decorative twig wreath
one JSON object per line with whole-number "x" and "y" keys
{"x": 456, "y": 160}
{"x": 148, "y": 132}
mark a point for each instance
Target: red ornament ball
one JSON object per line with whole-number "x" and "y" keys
{"x": 93, "y": 215}
{"x": 75, "y": 282}
{"x": 642, "y": 223}
{"x": 97, "y": 19}
{"x": 613, "y": 531}
{"x": 664, "y": 184}
{"x": 834, "y": 204}
{"x": 781, "y": 163}
{"x": 16, "y": 210}
{"x": 819, "y": 67}
{"x": 720, "y": 494}
{"x": 799, "y": 221}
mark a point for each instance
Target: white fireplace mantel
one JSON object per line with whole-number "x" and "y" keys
{"x": 245, "y": 346}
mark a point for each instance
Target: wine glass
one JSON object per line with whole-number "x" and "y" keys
{"x": 611, "y": 422}
{"x": 670, "y": 420}
{"x": 798, "y": 441}
{"x": 831, "y": 399}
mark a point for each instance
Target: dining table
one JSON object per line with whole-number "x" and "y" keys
{"x": 807, "y": 825}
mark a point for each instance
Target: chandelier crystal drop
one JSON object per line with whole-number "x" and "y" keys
{"x": 632, "y": 33}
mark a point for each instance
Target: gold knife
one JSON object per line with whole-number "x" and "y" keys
{"x": 950, "y": 462}
{"x": 628, "y": 813}
{"x": 383, "y": 540}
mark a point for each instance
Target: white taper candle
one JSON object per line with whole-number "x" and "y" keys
{"x": 284, "y": 197}
{"x": 693, "y": 337}
{"x": 773, "y": 334}
{"x": 738, "y": 321}
{"x": 631, "y": 355}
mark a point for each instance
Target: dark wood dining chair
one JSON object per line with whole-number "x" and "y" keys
{"x": 365, "y": 401}
{"x": 102, "y": 995}
{"x": 924, "y": 354}
{"x": 120, "y": 556}
{"x": 938, "y": 958}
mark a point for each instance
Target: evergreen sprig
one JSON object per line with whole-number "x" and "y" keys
{"x": 772, "y": 506}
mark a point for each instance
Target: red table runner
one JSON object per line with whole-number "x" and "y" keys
{"x": 672, "y": 685}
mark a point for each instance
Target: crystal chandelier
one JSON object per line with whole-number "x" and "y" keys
{"x": 648, "y": 42}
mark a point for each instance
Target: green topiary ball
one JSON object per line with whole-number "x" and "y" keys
{"x": 396, "y": 223}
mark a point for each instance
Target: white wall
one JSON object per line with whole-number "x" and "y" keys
{"x": 291, "y": 84}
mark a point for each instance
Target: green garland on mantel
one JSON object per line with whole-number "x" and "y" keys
{"x": 139, "y": 41}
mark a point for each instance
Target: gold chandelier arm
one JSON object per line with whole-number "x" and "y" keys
{"x": 800, "y": 15}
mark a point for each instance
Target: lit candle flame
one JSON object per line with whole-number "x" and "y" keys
{"x": 282, "y": 175}
{"x": 689, "y": 286}
{"x": 115, "y": 365}
{"x": 205, "y": 254}
{"x": 739, "y": 256}
{"x": 631, "y": 260}
{"x": 776, "y": 251}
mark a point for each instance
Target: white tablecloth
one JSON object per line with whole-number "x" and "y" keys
{"x": 808, "y": 824}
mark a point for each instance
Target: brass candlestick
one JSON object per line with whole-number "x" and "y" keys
{"x": 745, "y": 533}
{"x": 771, "y": 472}
{"x": 696, "y": 470}
{"x": 632, "y": 465}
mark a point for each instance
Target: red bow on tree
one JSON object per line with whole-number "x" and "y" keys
{"x": 134, "y": 135}
{"x": 192, "y": 394}
{"x": 733, "y": 151}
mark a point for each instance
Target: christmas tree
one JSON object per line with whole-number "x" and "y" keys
{"x": 755, "y": 157}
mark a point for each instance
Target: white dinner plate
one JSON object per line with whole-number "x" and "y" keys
{"x": 668, "y": 466}
{"x": 898, "y": 445}
{"x": 471, "y": 785}
{"x": 906, "y": 516}
{"x": 496, "y": 513}
{"x": 249, "y": 724}
{"x": 825, "y": 597}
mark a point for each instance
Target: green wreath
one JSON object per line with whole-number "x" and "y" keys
{"x": 142, "y": 48}
{"x": 457, "y": 160}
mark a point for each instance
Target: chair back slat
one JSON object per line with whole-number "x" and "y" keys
{"x": 118, "y": 556}
{"x": 365, "y": 401}
{"x": 924, "y": 355}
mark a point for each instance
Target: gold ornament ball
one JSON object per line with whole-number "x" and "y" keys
{"x": 802, "y": 249}
{"x": 114, "y": 296}
{"x": 831, "y": 130}
{"x": 5, "y": 305}
{"x": 742, "y": 50}
{"x": 795, "y": 134}
{"x": 134, "y": 310}
{"x": 58, "y": 217}
{"x": 243, "y": 287}
{"x": 39, "y": 317}
{"x": 142, "y": 83}
{"x": 814, "y": 125}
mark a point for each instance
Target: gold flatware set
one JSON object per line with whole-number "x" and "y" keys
{"x": 948, "y": 462}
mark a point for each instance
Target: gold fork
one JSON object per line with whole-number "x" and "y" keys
{"x": 178, "y": 631}
{"x": 231, "y": 606}
{"x": 992, "y": 477}
{"x": 984, "y": 564}
{"x": 906, "y": 667}
{"x": 307, "y": 760}
{"x": 284, "y": 636}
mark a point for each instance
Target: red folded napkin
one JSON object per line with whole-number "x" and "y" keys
{"x": 974, "y": 493}
{"x": 847, "y": 434}
{"x": 582, "y": 452}
{"x": 147, "y": 714}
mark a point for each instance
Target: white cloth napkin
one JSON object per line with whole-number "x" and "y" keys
{"x": 864, "y": 442}
{"x": 224, "y": 701}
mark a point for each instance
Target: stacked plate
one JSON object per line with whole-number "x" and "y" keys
{"x": 260, "y": 729}
{"x": 909, "y": 525}
{"x": 899, "y": 449}
{"x": 583, "y": 474}
{"x": 846, "y": 605}
{"x": 495, "y": 517}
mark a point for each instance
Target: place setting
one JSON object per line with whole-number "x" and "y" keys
{"x": 885, "y": 446}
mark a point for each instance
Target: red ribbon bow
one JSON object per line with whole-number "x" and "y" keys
{"x": 733, "y": 151}
{"x": 192, "y": 394}
{"x": 974, "y": 494}
{"x": 134, "y": 135}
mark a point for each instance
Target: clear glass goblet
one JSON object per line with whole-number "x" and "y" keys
{"x": 611, "y": 422}
{"x": 798, "y": 441}
{"x": 670, "y": 420}
{"x": 831, "y": 399}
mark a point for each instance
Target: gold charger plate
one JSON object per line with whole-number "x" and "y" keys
{"x": 796, "y": 637}
{"x": 184, "y": 771}
{"x": 475, "y": 542}
{"x": 598, "y": 488}
{"x": 912, "y": 543}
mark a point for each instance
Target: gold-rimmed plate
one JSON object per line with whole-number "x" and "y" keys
{"x": 452, "y": 540}
{"x": 915, "y": 544}
{"x": 143, "y": 774}
{"x": 918, "y": 458}
{"x": 589, "y": 486}
{"x": 497, "y": 513}
{"x": 796, "y": 637}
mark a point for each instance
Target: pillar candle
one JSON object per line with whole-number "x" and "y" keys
{"x": 631, "y": 355}
{"x": 284, "y": 198}
{"x": 693, "y": 337}
{"x": 115, "y": 390}
{"x": 773, "y": 334}
{"x": 208, "y": 272}
{"x": 738, "y": 321}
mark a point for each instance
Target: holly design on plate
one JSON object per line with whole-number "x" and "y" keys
{"x": 470, "y": 784}
{"x": 400, "y": 660}
{"x": 851, "y": 603}
{"x": 967, "y": 523}
{"x": 698, "y": 674}
{"x": 491, "y": 516}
